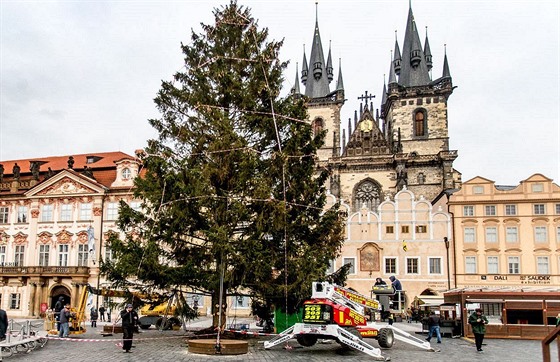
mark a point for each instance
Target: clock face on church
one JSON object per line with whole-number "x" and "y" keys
{"x": 366, "y": 125}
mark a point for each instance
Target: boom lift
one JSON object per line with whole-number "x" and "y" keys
{"x": 338, "y": 313}
{"x": 77, "y": 322}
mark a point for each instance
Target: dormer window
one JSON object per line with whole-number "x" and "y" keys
{"x": 397, "y": 65}
{"x": 317, "y": 71}
{"x": 125, "y": 174}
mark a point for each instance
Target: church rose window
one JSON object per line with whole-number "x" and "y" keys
{"x": 368, "y": 194}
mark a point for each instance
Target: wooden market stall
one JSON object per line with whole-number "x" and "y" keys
{"x": 520, "y": 313}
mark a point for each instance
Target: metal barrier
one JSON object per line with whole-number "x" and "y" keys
{"x": 22, "y": 337}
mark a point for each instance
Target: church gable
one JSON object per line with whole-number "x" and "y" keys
{"x": 367, "y": 139}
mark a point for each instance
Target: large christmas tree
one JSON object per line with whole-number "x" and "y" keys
{"x": 232, "y": 193}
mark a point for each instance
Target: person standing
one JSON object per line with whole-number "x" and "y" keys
{"x": 478, "y": 321}
{"x": 93, "y": 317}
{"x": 558, "y": 320}
{"x": 102, "y": 313}
{"x": 379, "y": 281}
{"x": 59, "y": 305}
{"x": 65, "y": 316}
{"x": 433, "y": 327}
{"x": 3, "y": 324}
{"x": 129, "y": 319}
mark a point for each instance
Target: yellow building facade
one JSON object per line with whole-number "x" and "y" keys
{"x": 507, "y": 236}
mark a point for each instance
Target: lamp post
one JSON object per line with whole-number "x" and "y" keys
{"x": 446, "y": 241}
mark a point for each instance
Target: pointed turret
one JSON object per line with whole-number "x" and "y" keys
{"x": 329, "y": 65}
{"x": 384, "y": 93}
{"x": 317, "y": 86}
{"x": 339, "y": 82}
{"x": 427, "y": 52}
{"x": 392, "y": 75}
{"x": 304, "y": 68}
{"x": 446, "y": 72}
{"x": 295, "y": 89}
{"x": 414, "y": 71}
{"x": 397, "y": 59}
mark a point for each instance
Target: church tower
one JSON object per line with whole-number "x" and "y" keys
{"x": 414, "y": 111}
{"x": 323, "y": 104}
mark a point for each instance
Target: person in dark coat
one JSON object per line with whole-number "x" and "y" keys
{"x": 102, "y": 313}
{"x": 65, "y": 316}
{"x": 478, "y": 321}
{"x": 93, "y": 317}
{"x": 379, "y": 281}
{"x": 129, "y": 319}
{"x": 433, "y": 325}
{"x": 57, "y": 308}
{"x": 3, "y": 324}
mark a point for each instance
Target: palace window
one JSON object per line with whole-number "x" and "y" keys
{"x": 15, "y": 300}
{"x": 108, "y": 253}
{"x": 469, "y": 235}
{"x": 492, "y": 265}
{"x": 82, "y": 255}
{"x": 405, "y": 229}
{"x": 47, "y": 212}
{"x": 421, "y": 178}
{"x": 19, "y": 255}
{"x": 511, "y": 210}
{"x": 468, "y": 210}
{"x": 44, "y": 253}
{"x": 330, "y": 268}
{"x": 2, "y": 255}
{"x": 65, "y": 212}
{"x": 421, "y": 229}
{"x": 367, "y": 194}
{"x": 512, "y": 234}
{"x": 539, "y": 209}
{"x": 63, "y": 255}
{"x": 85, "y": 211}
{"x": 112, "y": 210}
{"x": 470, "y": 264}
{"x": 557, "y": 209}
{"x": 389, "y": 229}
{"x": 540, "y": 234}
{"x": 490, "y": 210}
{"x": 491, "y": 234}
{"x": 543, "y": 265}
{"x": 4, "y": 215}
{"x": 513, "y": 264}
{"x": 22, "y": 214}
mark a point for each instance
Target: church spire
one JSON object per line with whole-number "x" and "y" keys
{"x": 295, "y": 89}
{"x": 339, "y": 82}
{"x": 397, "y": 58}
{"x": 317, "y": 85}
{"x": 304, "y": 68}
{"x": 414, "y": 70}
{"x": 329, "y": 65}
{"x": 392, "y": 75}
{"x": 427, "y": 52}
{"x": 446, "y": 73}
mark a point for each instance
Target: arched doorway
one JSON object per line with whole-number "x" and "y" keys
{"x": 57, "y": 292}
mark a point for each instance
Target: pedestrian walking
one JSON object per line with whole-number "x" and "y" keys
{"x": 102, "y": 314}
{"x": 409, "y": 315}
{"x": 391, "y": 319}
{"x": 478, "y": 321}
{"x": 3, "y": 325}
{"x": 65, "y": 316}
{"x": 108, "y": 314}
{"x": 433, "y": 327}
{"x": 93, "y": 317}
{"x": 558, "y": 320}
{"x": 129, "y": 319}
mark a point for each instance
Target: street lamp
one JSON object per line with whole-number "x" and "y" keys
{"x": 446, "y": 241}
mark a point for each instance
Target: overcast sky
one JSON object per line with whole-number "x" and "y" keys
{"x": 80, "y": 76}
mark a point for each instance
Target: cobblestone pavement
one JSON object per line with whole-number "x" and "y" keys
{"x": 152, "y": 345}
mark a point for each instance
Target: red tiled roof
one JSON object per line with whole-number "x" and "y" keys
{"x": 57, "y": 163}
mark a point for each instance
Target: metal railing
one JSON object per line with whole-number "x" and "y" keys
{"x": 22, "y": 337}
